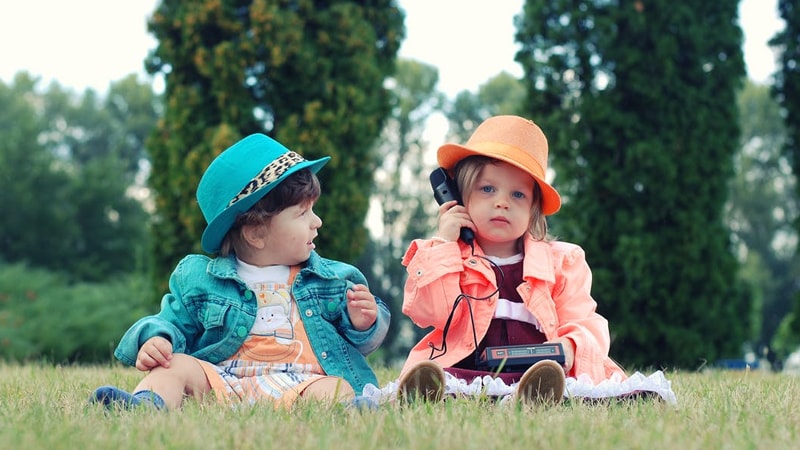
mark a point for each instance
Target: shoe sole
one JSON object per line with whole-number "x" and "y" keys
{"x": 424, "y": 381}
{"x": 542, "y": 383}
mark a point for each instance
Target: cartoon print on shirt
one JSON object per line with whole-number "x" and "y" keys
{"x": 272, "y": 336}
{"x": 272, "y": 317}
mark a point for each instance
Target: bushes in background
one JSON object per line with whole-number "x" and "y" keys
{"x": 44, "y": 317}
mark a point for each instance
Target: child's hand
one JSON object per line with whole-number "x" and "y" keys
{"x": 361, "y": 307}
{"x": 569, "y": 351}
{"x": 155, "y": 352}
{"x": 453, "y": 217}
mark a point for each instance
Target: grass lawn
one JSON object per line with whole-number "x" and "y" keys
{"x": 45, "y": 407}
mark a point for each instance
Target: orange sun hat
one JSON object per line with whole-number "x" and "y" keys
{"x": 512, "y": 139}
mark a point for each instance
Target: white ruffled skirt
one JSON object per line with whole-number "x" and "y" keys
{"x": 578, "y": 388}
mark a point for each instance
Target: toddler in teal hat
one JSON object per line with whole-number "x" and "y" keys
{"x": 266, "y": 320}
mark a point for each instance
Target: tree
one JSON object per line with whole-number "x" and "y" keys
{"x": 32, "y": 198}
{"x": 786, "y": 91}
{"x": 402, "y": 198}
{"x": 638, "y": 102}
{"x": 762, "y": 209}
{"x": 67, "y": 184}
{"x": 502, "y": 94}
{"x": 308, "y": 73}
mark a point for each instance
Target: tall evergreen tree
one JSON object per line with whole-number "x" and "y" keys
{"x": 787, "y": 92}
{"x": 308, "y": 73}
{"x": 638, "y": 101}
{"x": 787, "y": 79}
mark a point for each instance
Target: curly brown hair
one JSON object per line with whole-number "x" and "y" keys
{"x": 299, "y": 188}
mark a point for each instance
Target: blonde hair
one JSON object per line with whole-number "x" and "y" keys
{"x": 469, "y": 169}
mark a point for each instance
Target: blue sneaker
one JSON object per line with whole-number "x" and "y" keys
{"x": 112, "y": 397}
{"x": 362, "y": 404}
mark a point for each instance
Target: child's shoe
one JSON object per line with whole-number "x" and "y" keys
{"x": 362, "y": 404}
{"x": 112, "y": 397}
{"x": 542, "y": 383}
{"x": 424, "y": 381}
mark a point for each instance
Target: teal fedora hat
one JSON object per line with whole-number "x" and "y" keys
{"x": 239, "y": 177}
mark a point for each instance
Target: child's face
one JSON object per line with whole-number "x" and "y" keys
{"x": 290, "y": 235}
{"x": 500, "y": 207}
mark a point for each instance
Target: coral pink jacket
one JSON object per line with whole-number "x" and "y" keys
{"x": 556, "y": 290}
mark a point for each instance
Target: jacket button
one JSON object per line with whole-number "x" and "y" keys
{"x": 309, "y": 313}
{"x": 331, "y": 307}
{"x": 248, "y": 294}
{"x": 473, "y": 262}
{"x": 419, "y": 273}
{"x": 324, "y": 355}
{"x": 241, "y": 331}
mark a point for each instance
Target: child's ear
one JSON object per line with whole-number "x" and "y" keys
{"x": 254, "y": 235}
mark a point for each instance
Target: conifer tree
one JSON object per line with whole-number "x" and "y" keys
{"x": 787, "y": 92}
{"x": 307, "y": 73}
{"x": 638, "y": 100}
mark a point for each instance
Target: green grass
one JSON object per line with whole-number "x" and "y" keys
{"x": 45, "y": 407}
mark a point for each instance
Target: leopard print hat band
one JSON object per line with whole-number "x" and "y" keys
{"x": 269, "y": 174}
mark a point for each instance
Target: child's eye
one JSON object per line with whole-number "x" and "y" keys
{"x": 487, "y": 189}
{"x": 518, "y": 194}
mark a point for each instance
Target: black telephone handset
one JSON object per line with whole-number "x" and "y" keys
{"x": 445, "y": 190}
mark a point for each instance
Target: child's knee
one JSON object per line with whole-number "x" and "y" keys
{"x": 330, "y": 388}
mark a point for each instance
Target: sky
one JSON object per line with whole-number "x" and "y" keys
{"x": 92, "y": 43}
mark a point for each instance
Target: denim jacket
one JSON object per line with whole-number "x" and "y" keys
{"x": 209, "y": 311}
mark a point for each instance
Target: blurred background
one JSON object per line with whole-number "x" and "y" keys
{"x": 673, "y": 130}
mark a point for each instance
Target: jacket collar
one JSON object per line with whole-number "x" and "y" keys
{"x": 225, "y": 266}
{"x": 538, "y": 262}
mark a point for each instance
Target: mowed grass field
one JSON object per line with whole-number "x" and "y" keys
{"x": 45, "y": 407}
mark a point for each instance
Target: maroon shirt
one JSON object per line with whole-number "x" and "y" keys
{"x": 501, "y": 331}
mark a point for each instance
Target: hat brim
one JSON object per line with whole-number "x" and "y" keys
{"x": 217, "y": 229}
{"x": 449, "y": 155}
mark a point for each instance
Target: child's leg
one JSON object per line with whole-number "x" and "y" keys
{"x": 184, "y": 376}
{"x": 329, "y": 388}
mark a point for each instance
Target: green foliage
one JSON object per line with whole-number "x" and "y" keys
{"x": 308, "y": 73}
{"x": 638, "y": 103}
{"x": 44, "y": 317}
{"x": 762, "y": 209}
{"x": 66, "y": 167}
{"x": 787, "y": 81}
{"x": 501, "y": 94}
{"x": 402, "y": 195}
{"x": 787, "y": 92}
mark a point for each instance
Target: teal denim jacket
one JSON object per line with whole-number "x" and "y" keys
{"x": 209, "y": 311}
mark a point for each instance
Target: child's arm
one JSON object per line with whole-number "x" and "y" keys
{"x": 434, "y": 273}
{"x": 173, "y": 323}
{"x": 578, "y": 320}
